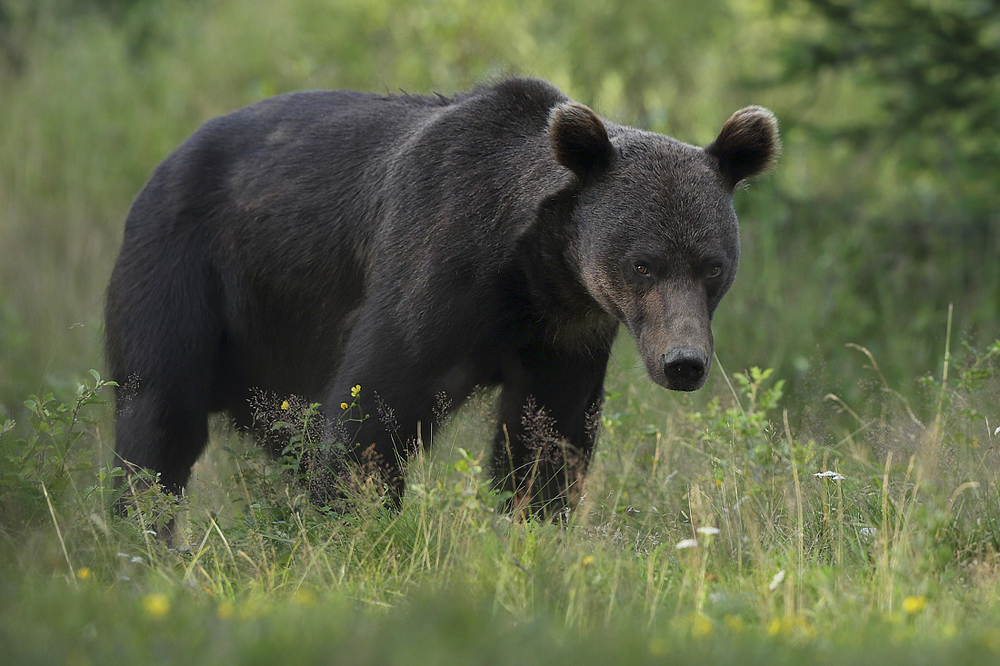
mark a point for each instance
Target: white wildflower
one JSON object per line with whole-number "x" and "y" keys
{"x": 776, "y": 581}
{"x": 686, "y": 543}
{"x": 829, "y": 474}
{"x": 707, "y": 530}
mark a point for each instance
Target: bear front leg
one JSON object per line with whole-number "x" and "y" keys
{"x": 364, "y": 447}
{"x": 385, "y": 405}
{"x": 548, "y": 419}
{"x": 160, "y": 430}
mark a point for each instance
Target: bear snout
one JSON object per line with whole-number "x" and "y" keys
{"x": 685, "y": 368}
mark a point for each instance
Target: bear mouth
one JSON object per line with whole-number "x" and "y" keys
{"x": 681, "y": 369}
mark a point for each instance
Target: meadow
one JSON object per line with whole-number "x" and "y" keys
{"x": 832, "y": 495}
{"x": 709, "y": 530}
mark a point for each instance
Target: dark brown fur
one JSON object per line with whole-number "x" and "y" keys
{"x": 420, "y": 247}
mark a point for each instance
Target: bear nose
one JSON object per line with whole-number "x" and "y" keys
{"x": 685, "y": 368}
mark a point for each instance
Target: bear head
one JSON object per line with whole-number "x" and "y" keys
{"x": 655, "y": 238}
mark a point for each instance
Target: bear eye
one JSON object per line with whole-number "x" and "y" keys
{"x": 714, "y": 272}
{"x": 643, "y": 270}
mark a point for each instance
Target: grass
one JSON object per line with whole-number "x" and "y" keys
{"x": 704, "y": 534}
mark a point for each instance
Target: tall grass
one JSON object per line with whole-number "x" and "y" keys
{"x": 714, "y": 530}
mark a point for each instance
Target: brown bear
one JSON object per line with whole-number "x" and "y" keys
{"x": 420, "y": 247}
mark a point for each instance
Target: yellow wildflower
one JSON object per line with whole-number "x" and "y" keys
{"x": 734, "y": 623}
{"x": 343, "y": 405}
{"x": 83, "y": 573}
{"x": 991, "y": 640}
{"x": 304, "y": 597}
{"x": 225, "y": 610}
{"x": 701, "y": 626}
{"x": 791, "y": 626}
{"x": 285, "y": 405}
{"x": 913, "y": 605}
{"x": 587, "y": 561}
{"x": 355, "y": 391}
{"x": 156, "y": 605}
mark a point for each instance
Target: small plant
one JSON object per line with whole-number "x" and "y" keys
{"x": 742, "y": 436}
{"x": 147, "y": 505}
{"x": 56, "y": 455}
{"x": 302, "y": 428}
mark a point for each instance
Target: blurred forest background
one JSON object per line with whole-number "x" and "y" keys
{"x": 884, "y": 210}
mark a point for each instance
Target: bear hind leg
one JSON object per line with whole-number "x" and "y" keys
{"x": 161, "y": 432}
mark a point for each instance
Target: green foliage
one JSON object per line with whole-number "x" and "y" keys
{"x": 744, "y": 430}
{"x": 57, "y": 453}
{"x": 939, "y": 99}
{"x": 739, "y": 539}
{"x": 887, "y": 110}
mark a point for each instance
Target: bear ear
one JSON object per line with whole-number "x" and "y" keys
{"x": 747, "y": 145}
{"x": 579, "y": 140}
